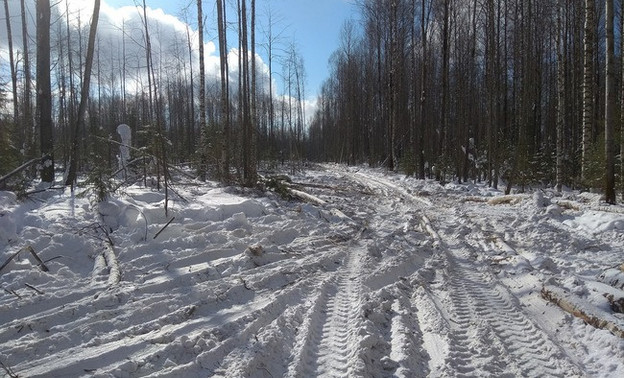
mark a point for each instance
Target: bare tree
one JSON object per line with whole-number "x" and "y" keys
{"x": 588, "y": 86}
{"x": 12, "y": 63}
{"x": 225, "y": 97}
{"x": 622, "y": 102}
{"x": 244, "y": 97}
{"x": 27, "y": 114}
{"x": 44, "y": 91}
{"x": 610, "y": 100}
{"x": 202, "y": 92}
{"x": 253, "y": 121}
{"x": 560, "y": 96}
{"x": 84, "y": 96}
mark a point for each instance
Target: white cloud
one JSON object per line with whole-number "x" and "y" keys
{"x": 122, "y": 29}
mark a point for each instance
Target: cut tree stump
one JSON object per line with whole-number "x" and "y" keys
{"x": 583, "y": 310}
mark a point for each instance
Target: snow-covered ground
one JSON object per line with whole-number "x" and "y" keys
{"x": 374, "y": 274}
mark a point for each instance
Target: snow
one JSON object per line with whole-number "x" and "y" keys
{"x": 364, "y": 273}
{"x": 125, "y": 133}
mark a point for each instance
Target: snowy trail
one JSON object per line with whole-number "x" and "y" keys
{"x": 487, "y": 329}
{"x": 333, "y": 349}
{"x": 371, "y": 274}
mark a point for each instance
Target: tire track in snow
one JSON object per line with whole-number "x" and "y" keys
{"x": 330, "y": 347}
{"x": 489, "y": 331}
{"x": 336, "y": 347}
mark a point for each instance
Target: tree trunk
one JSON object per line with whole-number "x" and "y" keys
{"x": 423, "y": 91}
{"x": 28, "y": 121}
{"x": 622, "y": 102}
{"x": 588, "y": 87}
{"x": 202, "y": 94}
{"x": 444, "y": 104}
{"x": 13, "y": 71}
{"x": 252, "y": 176}
{"x": 225, "y": 97}
{"x": 84, "y": 96}
{"x": 560, "y": 97}
{"x": 610, "y": 100}
{"x": 44, "y": 91}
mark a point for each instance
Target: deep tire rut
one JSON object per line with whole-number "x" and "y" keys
{"x": 330, "y": 344}
{"x": 488, "y": 329}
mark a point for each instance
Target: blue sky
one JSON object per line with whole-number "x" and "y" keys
{"x": 314, "y": 25}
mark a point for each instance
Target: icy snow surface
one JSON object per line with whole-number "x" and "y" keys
{"x": 373, "y": 275}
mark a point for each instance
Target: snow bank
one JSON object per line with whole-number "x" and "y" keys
{"x": 597, "y": 222}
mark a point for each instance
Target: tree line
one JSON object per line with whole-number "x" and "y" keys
{"x": 67, "y": 106}
{"x": 521, "y": 92}
{"x": 524, "y": 92}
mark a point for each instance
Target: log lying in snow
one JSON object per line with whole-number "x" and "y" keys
{"x": 582, "y": 309}
{"x": 506, "y": 199}
{"x": 306, "y": 197}
{"x": 426, "y": 224}
{"x": 613, "y": 276}
{"x": 114, "y": 274}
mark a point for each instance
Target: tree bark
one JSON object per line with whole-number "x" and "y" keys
{"x": 202, "y": 94}
{"x": 44, "y": 91}
{"x": 27, "y": 114}
{"x": 610, "y": 100}
{"x": 13, "y": 70}
{"x": 560, "y": 97}
{"x": 588, "y": 87}
{"x": 225, "y": 97}
{"x": 84, "y": 96}
{"x": 622, "y": 102}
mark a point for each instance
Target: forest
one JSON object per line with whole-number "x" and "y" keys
{"x": 521, "y": 92}
{"x": 518, "y": 93}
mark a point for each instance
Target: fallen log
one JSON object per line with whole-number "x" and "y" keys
{"x": 306, "y": 197}
{"x": 114, "y": 274}
{"x": 617, "y": 304}
{"x": 613, "y": 276}
{"x": 583, "y": 310}
{"x": 426, "y": 224}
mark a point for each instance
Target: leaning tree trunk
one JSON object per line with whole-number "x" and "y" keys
{"x": 84, "y": 96}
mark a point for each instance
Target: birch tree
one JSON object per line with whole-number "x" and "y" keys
{"x": 588, "y": 86}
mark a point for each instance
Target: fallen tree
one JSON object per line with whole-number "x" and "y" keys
{"x": 583, "y": 310}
